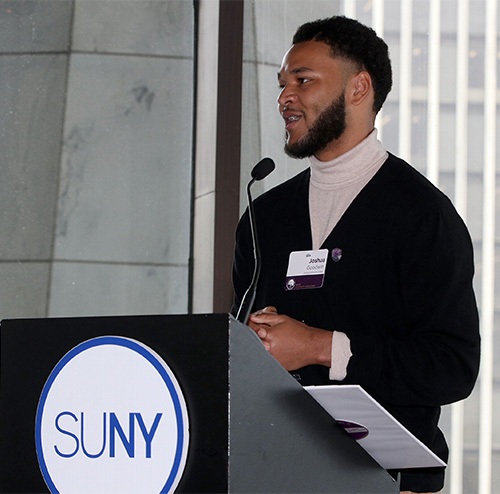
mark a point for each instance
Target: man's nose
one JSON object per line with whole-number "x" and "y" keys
{"x": 286, "y": 96}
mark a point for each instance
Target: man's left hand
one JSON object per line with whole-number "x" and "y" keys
{"x": 292, "y": 343}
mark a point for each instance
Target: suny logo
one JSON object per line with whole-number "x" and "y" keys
{"x": 114, "y": 429}
{"x": 112, "y": 418}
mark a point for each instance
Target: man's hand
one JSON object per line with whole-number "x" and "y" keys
{"x": 292, "y": 343}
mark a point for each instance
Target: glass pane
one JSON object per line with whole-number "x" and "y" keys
{"x": 405, "y": 125}
{"x": 96, "y": 136}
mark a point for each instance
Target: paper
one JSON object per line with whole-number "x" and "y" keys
{"x": 390, "y": 444}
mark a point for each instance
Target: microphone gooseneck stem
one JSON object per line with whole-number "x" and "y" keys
{"x": 260, "y": 171}
{"x": 249, "y": 297}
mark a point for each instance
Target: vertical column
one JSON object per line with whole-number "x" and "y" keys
{"x": 202, "y": 271}
{"x": 350, "y": 8}
{"x": 461, "y": 136}
{"x": 433, "y": 92}
{"x": 488, "y": 271}
{"x": 378, "y": 26}
{"x": 405, "y": 80}
{"x": 227, "y": 177}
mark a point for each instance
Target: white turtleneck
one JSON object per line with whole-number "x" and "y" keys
{"x": 333, "y": 186}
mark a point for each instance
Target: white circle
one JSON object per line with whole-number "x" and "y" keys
{"x": 112, "y": 418}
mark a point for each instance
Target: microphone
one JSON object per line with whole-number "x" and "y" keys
{"x": 260, "y": 171}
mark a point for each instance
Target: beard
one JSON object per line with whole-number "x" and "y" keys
{"x": 329, "y": 126}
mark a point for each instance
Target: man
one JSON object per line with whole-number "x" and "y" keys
{"x": 394, "y": 309}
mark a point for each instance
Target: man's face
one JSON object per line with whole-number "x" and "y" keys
{"x": 311, "y": 100}
{"x": 328, "y": 127}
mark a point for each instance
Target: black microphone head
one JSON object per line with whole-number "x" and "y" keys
{"x": 263, "y": 168}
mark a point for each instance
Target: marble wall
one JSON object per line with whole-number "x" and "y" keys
{"x": 96, "y": 138}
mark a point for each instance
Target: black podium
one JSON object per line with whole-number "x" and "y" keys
{"x": 252, "y": 428}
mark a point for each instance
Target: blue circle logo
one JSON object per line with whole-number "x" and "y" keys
{"x": 112, "y": 418}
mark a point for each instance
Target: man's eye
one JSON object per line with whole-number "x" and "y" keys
{"x": 303, "y": 80}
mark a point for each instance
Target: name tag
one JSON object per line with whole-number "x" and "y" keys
{"x": 306, "y": 269}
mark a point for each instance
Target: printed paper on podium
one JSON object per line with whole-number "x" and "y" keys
{"x": 390, "y": 444}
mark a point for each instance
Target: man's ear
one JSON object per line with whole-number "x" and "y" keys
{"x": 360, "y": 87}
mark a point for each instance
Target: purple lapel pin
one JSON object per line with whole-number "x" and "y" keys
{"x": 336, "y": 254}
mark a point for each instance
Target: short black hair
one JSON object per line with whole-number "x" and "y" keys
{"x": 355, "y": 42}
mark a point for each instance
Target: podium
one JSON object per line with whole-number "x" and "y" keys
{"x": 252, "y": 428}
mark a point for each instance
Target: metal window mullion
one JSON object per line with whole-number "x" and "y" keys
{"x": 405, "y": 84}
{"x": 378, "y": 26}
{"x": 488, "y": 251}
{"x": 227, "y": 148}
{"x": 455, "y": 463}
{"x": 461, "y": 150}
{"x": 462, "y": 107}
{"x": 433, "y": 92}
{"x": 350, "y": 8}
{"x": 204, "y": 176}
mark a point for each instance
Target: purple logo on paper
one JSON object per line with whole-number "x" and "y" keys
{"x": 304, "y": 282}
{"x": 356, "y": 431}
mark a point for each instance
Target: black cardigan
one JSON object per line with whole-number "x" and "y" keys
{"x": 401, "y": 291}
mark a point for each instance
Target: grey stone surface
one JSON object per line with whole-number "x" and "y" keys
{"x": 35, "y": 26}
{"x": 96, "y": 156}
{"x": 23, "y": 289}
{"x": 134, "y": 26}
{"x": 126, "y": 165}
{"x": 117, "y": 289}
{"x": 31, "y": 109}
